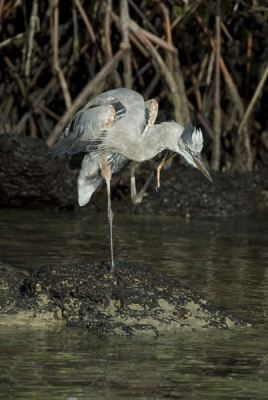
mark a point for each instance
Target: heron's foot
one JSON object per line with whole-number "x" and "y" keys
{"x": 119, "y": 275}
{"x": 159, "y": 166}
{"x": 112, "y": 268}
{"x": 113, "y": 271}
{"x": 164, "y": 160}
{"x": 137, "y": 199}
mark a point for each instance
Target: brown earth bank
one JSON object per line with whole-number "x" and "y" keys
{"x": 28, "y": 180}
{"x": 138, "y": 300}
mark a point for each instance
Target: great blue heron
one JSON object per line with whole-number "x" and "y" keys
{"x": 113, "y": 128}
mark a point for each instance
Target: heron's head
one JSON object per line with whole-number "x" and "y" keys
{"x": 190, "y": 145}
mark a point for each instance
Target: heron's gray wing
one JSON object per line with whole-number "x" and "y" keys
{"x": 85, "y": 140}
{"x": 151, "y": 111}
{"x": 62, "y": 146}
{"x": 84, "y": 131}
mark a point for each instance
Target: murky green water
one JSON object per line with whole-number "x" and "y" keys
{"x": 224, "y": 260}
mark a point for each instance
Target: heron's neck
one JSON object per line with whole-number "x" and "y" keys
{"x": 157, "y": 138}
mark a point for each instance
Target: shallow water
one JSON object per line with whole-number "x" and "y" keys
{"x": 225, "y": 260}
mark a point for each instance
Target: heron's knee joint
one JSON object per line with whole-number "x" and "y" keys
{"x": 110, "y": 215}
{"x": 136, "y": 199}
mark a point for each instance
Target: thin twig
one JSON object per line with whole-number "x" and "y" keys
{"x": 56, "y": 34}
{"x": 143, "y": 17}
{"x": 125, "y": 45}
{"x": 107, "y": 27}
{"x": 160, "y": 42}
{"x": 13, "y": 39}
{"x": 86, "y": 20}
{"x": 34, "y": 25}
{"x": 202, "y": 121}
{"x": 16, "y": 75}
{"x": 226, "y": 32}
{"x": 75, "y": 33}
{"x": 253, "y": 100}
{"x": 216, "y": 148}
{"x": 63, "y": 83}
{"x": 165, "y": 11}
{"x": 49, "y": 112}
{"x": 235, "y": 95}
{"x": 163, "y": 68}
{"x": 2, "y": 2}
{"x": 190, "y": 9}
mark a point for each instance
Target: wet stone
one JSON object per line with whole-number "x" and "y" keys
{"x": 139, "y": 300}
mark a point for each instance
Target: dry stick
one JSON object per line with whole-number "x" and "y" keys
{"x": 210, "y": 69}
{"x": 202, "y": 120}
{"x": 75, "y": 33}
{"x": 49, "y": 112}
{"x": 248, "y": 149}
{"x": 197, "y": 82}
{"x": 125, "y": 45}
{"x": 176, "y": 82}
{"x": 184, "y": 109}
{"x": 181, "y": 111}
{"x": 107, "y": 24}
{"x": 137, "y": 44}
{"x": 33, "y": 128}
{"x": 195, "y": 88}
{"x": 27, "y": 115}
{"x": 63, "y": 83}
{"x": 138, "y": 75}
{"x": 165, "y": 11}
{"x": 216, "y": 146}
{"x": 86, "y": 20}
{"x": 253, "y": 100}
{"x": 55, "y": 34}
{"x": 15, "y": 75}
{"x": 1, "y": 13}
{"x": 159, "y": 41}
{"x": 147, "y": 93}
{"x": 249, "y": 53}
{"x": 37, "y": 74}
{"x": 226, "y": 32}
{"x": 116, "y": 77}
{"x": 51, "y": 87}
{"x": 44, "y": 120}
{"x": 142, "y": 33}
{"x": 143, "y": 17}
{"x": 190, "y": 9}
{"x": 34, "y": 25}
{"x": 139, "y": 47}
{"x": 132, "y": 37}
{"x": 83, "y": 95}
{"x": 233, "y": 90}
{"x": 163, "y": 68}
{"x": 18, "y": 37}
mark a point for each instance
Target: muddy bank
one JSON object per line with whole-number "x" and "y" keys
{"x": 139, "y": 300}
{"x": 28, "y": 180}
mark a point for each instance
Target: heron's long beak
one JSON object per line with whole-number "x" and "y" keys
{"x": 200, "y": 164}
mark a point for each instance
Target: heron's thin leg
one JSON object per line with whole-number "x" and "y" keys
{"x": 107, "y": 174}
{"x": 160, "y": 165}
{"x": 136, "y": 198}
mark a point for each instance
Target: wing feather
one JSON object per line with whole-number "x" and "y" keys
{"x": 84, "y": 132}
{"x": 151, "y": 111}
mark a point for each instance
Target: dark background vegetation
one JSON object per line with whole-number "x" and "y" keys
{"x": 56, "y": 55}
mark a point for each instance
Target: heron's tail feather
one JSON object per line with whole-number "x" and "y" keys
{"x": 86, "y": 188}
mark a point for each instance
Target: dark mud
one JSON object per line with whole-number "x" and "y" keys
{"x": 139, "y": 300}
{"x": 28, "y": 180}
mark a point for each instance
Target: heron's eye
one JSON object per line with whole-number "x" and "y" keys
{"x": 187, "y": 148}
